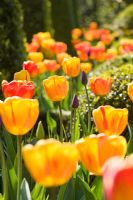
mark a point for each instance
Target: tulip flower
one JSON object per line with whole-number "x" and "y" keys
{"x": 58, "y": 47}
{"x": 61, "y": 56}
{"x": 95, "y": 150}
{"x": 19, "y": 115}
{"x": 56, "y": 87}
{"x": 71, "y": 66}
{"x": 35, "y": 56}
{"x": 50, "y": 162}
{"x": 23, "y": 89}
{"x": 41, "y": 67}
{"x": 51, "y": 65}
{"x": 76, "y": 33}
{"x": 118, "y": 179}
{"x": 110, "y": 120}
{"x": 86, "y": 67}
{"x": 130, "y": 91}
{"x": 31, "y": 67}
{"x": 100, "y": 86}
{"x": 22, "y": 75}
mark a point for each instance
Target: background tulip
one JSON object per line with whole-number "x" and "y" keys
{"x": 95, "y": 150}
{"x": 110, "y": 120}
{"x": 50, "y": 162}
{"x": 56, "y": 87}
{"x": 118, "y": 179}
{"x": 23, "y": 89}
{"x": 130, "y": 91}
{"x": 35, "y": 56}
{"x": 86, "y": 67}
{"x": 22, "y": 75}
{"x": 31, "y": 67}
{"x": 19, "y": 115}
{"x": 100, "y": 85}
{"x": 71, "y": 66}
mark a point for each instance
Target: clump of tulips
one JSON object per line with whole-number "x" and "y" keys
{"x": 80, "y": 158}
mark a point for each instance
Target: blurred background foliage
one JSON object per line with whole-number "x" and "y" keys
{"x": 27, "y": 17}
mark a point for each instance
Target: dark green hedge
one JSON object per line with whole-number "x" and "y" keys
{"x": 12, "y": 51}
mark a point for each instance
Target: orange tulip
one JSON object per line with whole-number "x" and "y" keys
{"x": 93, "y": 25}
{"x": 130, "y": 91}
{"x": 51, "y": 65}
{"x": 100, "y": 85}
{"x": 56, "y": 87}
{"x": 76, "y": 33}
{"x": 95, "y": 150}
{"x": 58, "y": 47}
{"x": 41, "y": 67}
{"x": 35, "y": 56}
{"x": 110, "y": 120}
{"x": 19, "y": 115}
{"x": 71, "y": 66}
{"x": 31, "y": 67}
{"x": 23, "y": 89}
{"x": 22, "y": 75}
{"x": 61, "y": 56}
{"x": 86, "y": 67}
{"x": 118, "y": 179}
{"x": 50, "y": 162}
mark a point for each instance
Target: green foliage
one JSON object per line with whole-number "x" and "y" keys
{"x": 125, "y": 18}
{"x": 12, "y": 52}
{"x": 36, "y": 16}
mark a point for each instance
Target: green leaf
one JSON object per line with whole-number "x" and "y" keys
{"x": 130, "y": 142}
{"x": 36, "y": 191}
{"x": 40, "y": 133}
{"x": 70, "y": 190}
{"x": 1, "y": 197}
{"x": 61, "y": 192}
{"x": 51, "y": 123}
{"x": 97, "y": 188}
{"x": 25, "y": 191}
{"x": 88, "y": 193}
{"x": 76, "y": 132}
{"x": 42, "y": 194}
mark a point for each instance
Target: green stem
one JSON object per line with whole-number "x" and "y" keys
{"x": 61, "y": 123}
{"x": 88, "y": 112}
{"x": 19, "y": 165}
{"x": 4, "y": 171}
{"x": 71, "y": 97}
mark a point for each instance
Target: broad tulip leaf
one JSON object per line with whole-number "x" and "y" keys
{"x": 97, "y": 188}
{"x": 25, "y": 191}
{"x": 36, "y": 191}
{"x": 40, "y": 133}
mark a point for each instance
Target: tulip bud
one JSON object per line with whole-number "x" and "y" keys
{"x": 84, "y": 79}
{"x": 75, "y": 102}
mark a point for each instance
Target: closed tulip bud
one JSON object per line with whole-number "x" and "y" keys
{"x": 61, "y": 56}
{"x": 35, "y": 56}
{"x": 118, "y": 178}
{"x": 95, "y": 150}
{"x": 50, "y": 162}
{"x": 23, "y": 89}
{"x": 22, "y": 75}
{"x": 130, "y": 91}
{"x": 31, "y": 67}
{"x": 86, "y": 67}
{"x": 75, "y": 102}
{"x": 84, "y": 78}
{"x": 56, "y": 87}
{"x": 19, "y": 115}
{"x": 71, "y": 66}
{"x": 100, "y": 86}
{"x": 110, "y": 120}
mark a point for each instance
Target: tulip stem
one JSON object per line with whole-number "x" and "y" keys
{"x": 61, "y": 123}
{"x": 88, "y": 112}
{"x": 19, "y": 165}
{"x": 71, "y": 97}
{"x": 4, "y": 171}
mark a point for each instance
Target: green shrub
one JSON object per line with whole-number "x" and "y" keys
{"x": 125, "y": 18}
{"x": 12, "y": 51}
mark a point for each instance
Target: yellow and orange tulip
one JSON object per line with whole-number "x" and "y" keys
{"x": 95, "y": 150}
{"x": 110, "y": 120}
{"x": 19, "y": 115}
{"x": 118, "y": 179}
{"x": 71, "y": 66}
{"x": 130, "y": 91}
{"x": 50, "y": 162}
{"x": 22, "y": 75}
{"x": 35, "y": 56}
{"x": 86, "y": 67}
{"x": 56, "y": 87}
{"x": 100, "y": 86}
